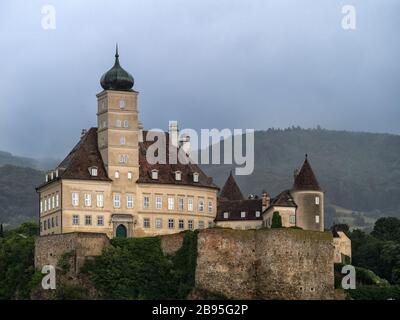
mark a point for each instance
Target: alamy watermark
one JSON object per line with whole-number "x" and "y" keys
{"x": 188, "y": 146}
{"x": 48, "y": 17}
{"x": 349, "y": 20}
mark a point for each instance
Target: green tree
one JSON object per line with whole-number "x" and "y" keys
{"x": 1, "y": 231}
{"x": 17, "y": 262}
{"x": 276, "y": 220}
{"x": 387, "y": 229}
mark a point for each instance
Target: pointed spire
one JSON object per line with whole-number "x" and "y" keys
{"x": 231, "y": 190}
{"x": 305, "y": 179}
{"x": 116, "y": 51}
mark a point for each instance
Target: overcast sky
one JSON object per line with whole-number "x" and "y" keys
{"x": 206, "y": 63}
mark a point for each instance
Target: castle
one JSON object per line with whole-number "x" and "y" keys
{"x": 105, "y": 185}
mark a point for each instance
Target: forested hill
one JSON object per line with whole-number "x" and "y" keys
{"x": 358, "y": 171}
{"x": 18, "y": 198}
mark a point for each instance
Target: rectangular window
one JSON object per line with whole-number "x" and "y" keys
{"x": 181, "y": 224}
{"x": 146, "y": 223}
{"x": 158, "y": 202}
{"x": 158, "y": 223}
{"x": 129, "y": 201}
{"x": 53, "y": 202}
{"x": 49, "y": 203}
{"x": 126, "y": 124}
{"x": 129, "y": 175}
{"x": 56, "y": 221}
{"x": 123, "y": 158}
{"x": 226, "y": 215}
{"x": 171, "y": 203}
{"x": 210, "y": 224}
{"x": 88, "y": 200}
{"x": 316, "y": 219}
{"x": 258, "y": 213}
{"x": 146, "y": 202}
{"x": 118, "y": 123}
{"x": 122, "y": 141}
{"x": 243, "y": 214}
{"x": 210, "y": 206}
{"x": 117, "y": 200}
{"x": 45, "y": 204}
{"x": 201, "y": 224}
{"x": 75, "y": 220}
{"x": 45, "y": 224}
{"x": 52, "y": 222}
{"x": 190, "y": 224}
{"x": 201, "y": 205}
{"x": 317, "y": 200}
{"x": 190, "y": 204}
{"x": 75, "y": 199}
{"x": 181, "y": 204}
{"x": 41, "y": 206}
{"x": 57, "y": 200}
{"x": 171, "y": 223}
{"x": 292, "y": 219}
{"x": 88, "y": 220}
{"x": 100, "y": 220}
{"x": 100, "y": 200}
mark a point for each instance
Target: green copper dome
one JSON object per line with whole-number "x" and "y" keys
{"x": 117, "y": 78}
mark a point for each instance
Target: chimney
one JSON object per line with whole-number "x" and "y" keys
{"x": 185, "y": 144}
{"x": 84, "y": 131}
{"x": 173, "y": 133}
{"x": 266, "y": 201}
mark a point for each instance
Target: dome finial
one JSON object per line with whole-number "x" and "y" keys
{"x": 117, "y": 78}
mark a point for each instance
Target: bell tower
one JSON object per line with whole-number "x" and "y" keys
{"x": 118, "y": 125}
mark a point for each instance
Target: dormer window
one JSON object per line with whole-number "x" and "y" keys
{"x": 226, "y": 215}
{"x": 52, "y": 175}
{"x": 178, "y": 175}
{"x": 93, "y": 171}
{"x": 47, "y": 177}
{"x": 154, "y": 174}
{"x": 195, "y": 177}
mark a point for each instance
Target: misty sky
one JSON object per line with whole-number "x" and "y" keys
{"x": 206, "y": 63}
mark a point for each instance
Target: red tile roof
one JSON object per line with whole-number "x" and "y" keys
{"x": 86, "y": 154}
{"x": 166, "y": 172}
{"x": 231, "y": 190}
{"x": 306, "y": 179}
{"x": 235, "y": 207}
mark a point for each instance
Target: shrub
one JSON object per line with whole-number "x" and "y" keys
{"x": 276, "y": 220}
